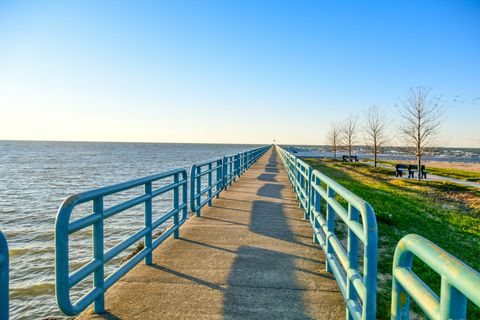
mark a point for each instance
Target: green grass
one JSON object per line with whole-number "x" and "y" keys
{"x": 467, "y": 175}
{"x": 445, "y": 213}
{"x": 456, "y": 173}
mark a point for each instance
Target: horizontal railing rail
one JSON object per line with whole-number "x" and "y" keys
{"x": 209, "y": 178}
{"x": 4, "y": 279}
{"x": 459, "y": 282}
{"x": 319, "y": 196}
{"x": 65, "y": 281}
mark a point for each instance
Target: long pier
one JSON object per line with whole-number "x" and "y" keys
{"x": 248, "y": 256}
{"x": 270, "y": 237}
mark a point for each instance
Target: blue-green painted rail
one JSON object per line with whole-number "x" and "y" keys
{"x": 3, "y": 277}
{"x": 312, "y": 188}
{"x": 175, "y": 182}
{"x": 459, "y": 282}
{"x": 208, "y": 179}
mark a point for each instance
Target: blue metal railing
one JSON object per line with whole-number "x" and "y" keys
{"x": 312, "y": 188}
{"x": 219, "y": 174}
{"x": 64, "y": 227}
{"x": 213, "y": 171}
{"x": 3, "y": 277}
{"x": 459, "y": 282}
{"x": 228, "y": 171}
{"x": 301, "y": 184}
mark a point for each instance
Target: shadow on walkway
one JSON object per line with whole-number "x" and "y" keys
{"x": 262, "y": 283}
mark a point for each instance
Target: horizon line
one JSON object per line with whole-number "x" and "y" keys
{"x": 219, "y": 143}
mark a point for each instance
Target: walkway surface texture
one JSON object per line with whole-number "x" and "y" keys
{"x": 249, "y": 256}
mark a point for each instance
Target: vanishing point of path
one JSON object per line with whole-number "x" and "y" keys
{"x": 249, "y": 256}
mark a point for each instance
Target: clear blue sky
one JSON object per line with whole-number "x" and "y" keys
{"x": 230, "y": 71}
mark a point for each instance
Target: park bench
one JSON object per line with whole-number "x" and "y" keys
{"x": 346, "y": 158}
{"x": 399, "y": 169}
{"x": 412, "y": 168}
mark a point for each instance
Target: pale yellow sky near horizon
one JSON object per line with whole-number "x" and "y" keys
{"x": 77, "y": 124}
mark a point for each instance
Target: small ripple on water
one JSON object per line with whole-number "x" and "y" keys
{"x": 35, "y": 290}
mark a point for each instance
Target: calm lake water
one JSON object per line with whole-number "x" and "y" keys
{"x": 35, "y": 177}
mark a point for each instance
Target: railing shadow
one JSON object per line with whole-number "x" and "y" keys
{"x": 262, "y": 283}
{"x": 267, "y": 177}
{"x": 271, "y": 190}
{"x": 253, "y": 286}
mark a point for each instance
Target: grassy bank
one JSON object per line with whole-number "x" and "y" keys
{"x": 467, "y": 175}
{"x": 445, "y": 213}
{"x": 456, "y": 173}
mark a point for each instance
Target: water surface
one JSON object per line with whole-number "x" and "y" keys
{"x": 35, "y": 177}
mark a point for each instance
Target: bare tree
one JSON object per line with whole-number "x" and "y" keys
{"x": 420, "y": 119}
{"x": 334, "y": 137}
{"x": 349, "y": 133}
{"x": 375, "y": 131}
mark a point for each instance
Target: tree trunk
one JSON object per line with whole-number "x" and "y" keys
{"x": 419, "y": 164}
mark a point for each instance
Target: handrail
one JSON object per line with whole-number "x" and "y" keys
{"x": 459, "y": 281}
{"x": 219, "y": 175}
{"x": 64, "y": 227}
{"x": 312, "y": 188}
{"x": 3, "y": 277}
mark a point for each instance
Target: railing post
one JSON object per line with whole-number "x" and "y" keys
{"x": 148, "y": 223}
{"x": 297, "y": 183}
{"x": 184, "y": 196}
{"x": 352, "y": 255}
{"x": 224, "y": 175}
{"x": 453, "y": 304}
{"x": 244, "y": 162}
{"x": 237, "y": 165}
{"x": 4, "y": 265}
{"x": 232, "y": 174}
{"x": 210, "y": 178}
{"x": 318, "y": 206}
{"x": 192, "y": 188}
{"x": 400, "y": 309}
{"x": 309, "y": 193}
{"x": 219, "y": 177}
{"x": 198, "y": 186}
{"x": 330, "y": 227}
{"x": 370, "y": 265}
{"x": 176, "y": 205}
{"x": 98, "y": 242}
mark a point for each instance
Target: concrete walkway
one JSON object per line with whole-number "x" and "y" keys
{"x": 249, "y": 256}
